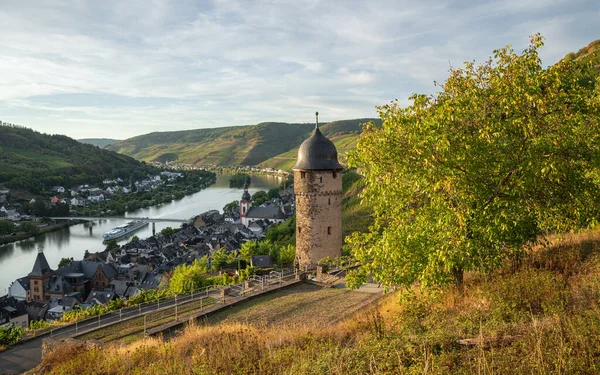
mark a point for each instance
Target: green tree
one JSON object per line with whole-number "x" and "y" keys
{"x": 231, "y": 206}
{"x": 259, "y": 197}
{"x": 168, "y": 231}
{"x": 10, "y": 335}
{"x": 219, "y": 259}
{"x": 6, "y": 227}
{"x": 29, "y": 227}
{"x": 287, "y": 254}
{"x": 187, "y": 278}
{"x": 273, "y": 193}
{"x": 112, "y": 246}
{"x": 40, "y": 209}
{"x": 64, "y": 262}
{"x": 462, "y": 179}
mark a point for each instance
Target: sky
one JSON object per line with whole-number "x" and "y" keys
{"x": 117, "y": 69}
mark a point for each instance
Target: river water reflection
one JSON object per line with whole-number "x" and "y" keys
{"x": 16, "y": 259}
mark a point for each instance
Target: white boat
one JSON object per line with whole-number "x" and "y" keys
{"x": 123, "y": 230}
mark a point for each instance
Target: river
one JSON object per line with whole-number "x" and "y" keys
{"x": 16, "y": 259}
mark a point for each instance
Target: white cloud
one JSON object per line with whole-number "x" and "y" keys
{"x": 131, "y": 67}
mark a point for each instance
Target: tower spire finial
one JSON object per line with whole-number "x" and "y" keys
{"x": 317, "y": 116}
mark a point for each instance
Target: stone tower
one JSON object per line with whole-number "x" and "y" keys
{"x": 318, "y": 190}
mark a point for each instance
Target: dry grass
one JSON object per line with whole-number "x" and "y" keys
{"x": 539, "y": 317}
{"x": 292, "y": 306}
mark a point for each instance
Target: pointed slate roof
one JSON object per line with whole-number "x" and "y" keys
{"x": 41, "y": 266}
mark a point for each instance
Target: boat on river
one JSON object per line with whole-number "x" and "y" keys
{"x": 125, "y": 229}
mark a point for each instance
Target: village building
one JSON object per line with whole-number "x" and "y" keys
{"x": 249, "y": 214}
{"x": 318, "y": 190}
{"x": 19, "y": 289}
{"x": 38, "y": 279}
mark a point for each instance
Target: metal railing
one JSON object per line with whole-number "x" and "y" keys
{"x": 160, "y": 304}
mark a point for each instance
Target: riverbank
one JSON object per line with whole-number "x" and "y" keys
{"x": 17, "y": 258}
{"x": 4, "y": 240}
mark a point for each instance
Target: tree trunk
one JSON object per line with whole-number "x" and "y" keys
{"x": 458, "y": 274}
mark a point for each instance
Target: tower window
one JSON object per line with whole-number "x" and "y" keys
{"x": 328, "y": 230}
{"x": 244, "y": 209}
{"x": 334, "y": 174}
{"x": 302, "y": 174}
{"x": 329, "y": 201}
{"x": 299, "y": 229}
{"x": 321, "y": 179}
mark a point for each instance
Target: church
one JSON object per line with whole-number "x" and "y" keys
{"x": 250, "y": 214}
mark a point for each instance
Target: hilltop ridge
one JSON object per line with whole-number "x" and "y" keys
{"x": 241, "y": 145}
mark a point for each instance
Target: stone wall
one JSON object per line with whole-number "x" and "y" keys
{"x": 318, "y": 215}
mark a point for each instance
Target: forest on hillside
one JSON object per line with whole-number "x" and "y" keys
{"x": 34, "y": 161}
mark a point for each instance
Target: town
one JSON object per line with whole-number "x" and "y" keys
{"x": 141, "y": 264}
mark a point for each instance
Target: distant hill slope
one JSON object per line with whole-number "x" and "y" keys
{"x": 244, "y": 145}
{"x": 100, "y": 142}
{"x": 32, "y": 161}
{"x": 344, "y": 135}
{"x": 590, "y": 53}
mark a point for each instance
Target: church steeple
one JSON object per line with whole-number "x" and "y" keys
{"x": 245, "y": 203}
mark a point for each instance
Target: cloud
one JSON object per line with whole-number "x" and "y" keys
{"x": 100, "y": 68}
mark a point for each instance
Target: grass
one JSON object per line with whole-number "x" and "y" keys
{"x": 540, "y": 315}
{"x": 291, "y": 306}
{"x": 132, "y": 330}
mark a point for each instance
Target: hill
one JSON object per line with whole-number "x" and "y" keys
{"x": 35, "y": 161}
{"x": 239, "y": 145}
{"x": 99, "y": 142}
{"x": 540, "y": 316}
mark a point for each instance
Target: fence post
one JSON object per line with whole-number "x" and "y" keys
{"x": 98, "y": 320}
{"x": 140, "y": 309}
{"x": 75, "y": 327}
{"x": 159, "y": 303}
{"x": 145, "y": 325}
{"x": 51, "y": 332}
{"x": 201, "y": 300}
{"x": 192, "y": 295}
{"x": 120, "y": 314}
{"x": 176, "y": 307}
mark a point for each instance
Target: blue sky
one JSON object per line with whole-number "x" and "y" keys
{"x": 121, "y": 68}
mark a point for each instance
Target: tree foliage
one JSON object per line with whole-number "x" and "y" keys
{"x": 187, "y": 278}
{"x": 6, "y": 227}
{"x": 10, "y": 335}
{"x": 460, "y": 180}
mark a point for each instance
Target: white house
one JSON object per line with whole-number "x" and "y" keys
{"x": 96, "y": 198}
{"x": 74, "y": 202}
{"x": 19, "y": 289}
{"x": 58, "y": 189}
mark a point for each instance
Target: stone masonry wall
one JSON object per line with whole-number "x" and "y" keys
{"x": 318, "y": 215}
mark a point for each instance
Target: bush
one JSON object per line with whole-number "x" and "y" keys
{"x": 10, "y": 335}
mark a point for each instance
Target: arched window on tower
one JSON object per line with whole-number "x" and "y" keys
{"x": 334, "y": 174}
{"x": 302, "y": 174}
{"x": 299, "y": 229}
{"x": 329, "y": 201}
{"x": 321, "y": 179}
{"x": 328, "y": 230}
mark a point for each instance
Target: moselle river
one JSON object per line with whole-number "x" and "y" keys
{"x": 16, "y": 259}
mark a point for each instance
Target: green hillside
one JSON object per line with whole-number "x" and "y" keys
{"x": 100, "y": 142}
{"x": 344, "y": 135}
{"x": 35, "y": 161}
{"x": 242, "y": 145}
